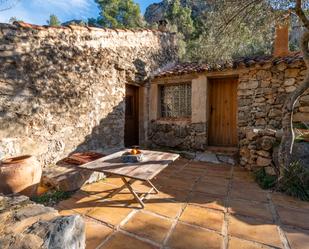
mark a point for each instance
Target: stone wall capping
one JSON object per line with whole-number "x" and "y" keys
{"x": 20, "y": 24}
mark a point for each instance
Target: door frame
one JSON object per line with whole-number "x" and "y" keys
{"x": 136, "y": 110}
{"x": 208, "y": 104}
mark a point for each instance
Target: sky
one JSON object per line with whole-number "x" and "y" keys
{"x": 38, "y": 11}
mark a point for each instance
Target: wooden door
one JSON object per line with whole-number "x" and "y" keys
{"x": 223, "y": 112}
{"x": 131, "y": 116}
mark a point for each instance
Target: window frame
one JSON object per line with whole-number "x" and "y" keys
{"x": 160, "y": 114}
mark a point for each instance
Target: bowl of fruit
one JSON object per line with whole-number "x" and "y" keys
{"x": 132, "y": 156}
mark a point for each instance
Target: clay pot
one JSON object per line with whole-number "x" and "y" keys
{"x": 20, "y": 175}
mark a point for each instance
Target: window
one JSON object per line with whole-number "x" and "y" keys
{"x": 175, "y": 100}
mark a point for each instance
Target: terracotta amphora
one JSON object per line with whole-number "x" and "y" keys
{"x": 20, "y": 175}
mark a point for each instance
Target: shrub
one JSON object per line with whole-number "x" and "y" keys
{"x": 264, "y": 180}
{"x": 295, "y": 181}
{"x": 52, "y": 198}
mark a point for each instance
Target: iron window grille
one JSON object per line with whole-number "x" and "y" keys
{"x": 175, "y": 100}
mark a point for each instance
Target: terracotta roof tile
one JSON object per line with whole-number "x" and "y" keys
{"x": 187, "y": 68}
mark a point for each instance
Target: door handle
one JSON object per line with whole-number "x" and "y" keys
{"x": 211, "y": 109}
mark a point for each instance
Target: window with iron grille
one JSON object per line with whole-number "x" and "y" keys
{"x": 175, "y": 100}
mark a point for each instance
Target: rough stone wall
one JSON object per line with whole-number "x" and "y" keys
{"x": 256, "y": 149}
{"x": 262, "y": 91}
{"x": 62, "y": 89}
{"x": 181, "y": 136}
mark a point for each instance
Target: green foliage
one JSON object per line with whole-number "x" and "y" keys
{"x": 14, "y": 19}
{"x": 53, "y": 21}
{"x": 209, "y": 36}
{"x": 52, "y": 197}
{"x": 264, "y": 180}
{"x": 180, "y": 17}
{"x": 295, "y": 181}
{"x": 118, "y": 14}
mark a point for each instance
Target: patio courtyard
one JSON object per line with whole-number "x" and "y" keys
{"x": 200, "y": 205}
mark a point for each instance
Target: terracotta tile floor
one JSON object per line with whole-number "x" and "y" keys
{"x": 200, "y": 205}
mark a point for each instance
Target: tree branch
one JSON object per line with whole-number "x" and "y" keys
{"x": 301, "y": 14}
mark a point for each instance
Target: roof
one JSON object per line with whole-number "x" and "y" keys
{"x": 80, "y": 27}
{"x": 188, "y": 68}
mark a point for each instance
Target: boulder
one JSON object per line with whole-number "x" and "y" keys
{"x": 25, "y": 224}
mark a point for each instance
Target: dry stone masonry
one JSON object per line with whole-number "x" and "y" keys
{"x": 262, "y": 92}
{"x": 62, "y": 89}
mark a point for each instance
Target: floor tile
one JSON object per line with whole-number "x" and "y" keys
{"x": 79, "y": 203}
{"x": 294, "y": 217}
{"x": 99, "y": 188}
{"x": 174, "y": 183}
{"x": 248, "y": 194}
{"x": 248, "y": 208}
{"x": 235, "y": 243}
{"x": 123, "y": 241}
{"x": 207, "y": 200}
{"x": 211, "y": 188}
{"x": 114, "y": 181}
{"x": 148, "y": 226}
{"x": 298, "y": 239}
{"x": 251, "y": 229}
{"x": 203, "y": 217}
{"x": 185, "y": 236}
{"x": 165, "y": 208}
{"x": 170, "y": 194}
{"x": 284, "y": 200}
{"x": 216, "y": 180}
{"x": 241, "y": 174}
{"x": 110, "y": 215}
{"x": 96, "y": 233}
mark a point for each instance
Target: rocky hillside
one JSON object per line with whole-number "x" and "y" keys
{"x": 156, "y": 11}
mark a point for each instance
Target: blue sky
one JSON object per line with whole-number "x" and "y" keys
{"x": 38, "y": 11}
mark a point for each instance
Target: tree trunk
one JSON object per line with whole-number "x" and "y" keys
{"x": 287, "y": 142}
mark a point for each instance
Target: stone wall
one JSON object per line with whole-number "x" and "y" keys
{"x": 262, "y": 91}
{"x": 62, "y": 89}
{"x": 256, "y": 148}
{"x": 185, "y": 136}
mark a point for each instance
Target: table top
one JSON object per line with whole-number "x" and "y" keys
{"x": 153, "y": 163}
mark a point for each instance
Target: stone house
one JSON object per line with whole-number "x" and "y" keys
{"x": 233, "y": 105}
{"x": 77, "y": 88}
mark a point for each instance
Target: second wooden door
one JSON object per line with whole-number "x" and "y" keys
{"x": 223, "y": 112}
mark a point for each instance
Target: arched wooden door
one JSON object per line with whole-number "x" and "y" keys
{"x": 223, "y": 112}
{"x": 131, "y": 116}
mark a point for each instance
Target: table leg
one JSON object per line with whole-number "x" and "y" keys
{"x": 136, "y": 197}
{"x": 153, "y": 187}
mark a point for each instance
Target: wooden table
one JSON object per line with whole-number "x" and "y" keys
{"x": 153, "y": 163}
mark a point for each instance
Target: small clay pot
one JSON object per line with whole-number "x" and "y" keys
{"x": 20, "y": 175}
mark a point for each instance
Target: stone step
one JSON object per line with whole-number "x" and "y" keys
{"x": 230, "y": 151}
{"x": 217, "y": 157}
